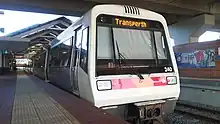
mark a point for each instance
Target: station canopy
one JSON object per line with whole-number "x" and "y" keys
{"x": 15, "y": 44}
{"x": 38, "y": 36}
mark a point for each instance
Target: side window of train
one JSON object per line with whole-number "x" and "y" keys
{"x": 54, "y": 61}
{"x": 78, "y": 35}
{"x": 60, "y": 55}
{"x": 84, "y": 50}
{"x": 65, "y": 52}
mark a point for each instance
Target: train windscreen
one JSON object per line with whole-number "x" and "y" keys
{"x": 126, "y": 45}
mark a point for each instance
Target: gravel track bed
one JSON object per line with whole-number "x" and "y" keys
{"x": 186, "y": 114}
{"x": 185, "y": 118}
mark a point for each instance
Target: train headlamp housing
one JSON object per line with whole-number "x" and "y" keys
{"x": 104, "y": 85}
{"x": 171, "y": 80}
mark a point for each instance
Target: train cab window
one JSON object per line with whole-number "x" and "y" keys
{"x": 160, "y": 45}
{"x": 141, "y": 45}
{"x": 84, "y": 50}
{"x": 162, "y": 48}
{"x": 104, "y": 40}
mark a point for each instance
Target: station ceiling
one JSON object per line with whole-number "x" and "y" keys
{"x": 39, "y": 35}
{"x": 173, "y": 10}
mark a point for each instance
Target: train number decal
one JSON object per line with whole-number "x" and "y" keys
{"x": 168, "y": 69}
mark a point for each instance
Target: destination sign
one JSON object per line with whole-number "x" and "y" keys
{"x": 119, "y": 21}
{"x": 123, "y": 22}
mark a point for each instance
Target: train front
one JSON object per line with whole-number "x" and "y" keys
{"x": 136, "y": 72}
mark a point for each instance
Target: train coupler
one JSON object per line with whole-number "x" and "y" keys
{"x": 150, "y": 111}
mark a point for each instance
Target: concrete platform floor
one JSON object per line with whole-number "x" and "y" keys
{"x": 32, "y": 105}
{"x": 28, "y": 100}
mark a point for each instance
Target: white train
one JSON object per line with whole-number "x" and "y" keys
{"x": 120, "y": 59}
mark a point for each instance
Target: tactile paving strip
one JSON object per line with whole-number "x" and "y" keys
{"x": 34, "y": 106}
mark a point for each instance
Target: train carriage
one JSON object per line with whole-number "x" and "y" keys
{"x": 120, "y": 59}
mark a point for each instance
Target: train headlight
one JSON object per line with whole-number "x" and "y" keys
{"x": 104, "y": 85}
{"x": 171, "y": 80}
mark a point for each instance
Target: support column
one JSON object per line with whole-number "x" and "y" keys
{"x": 46, "y": 65}
{"x": 190, "y": 30}
{"x": 33, "y": 62}
{"x": 1, "y": 63}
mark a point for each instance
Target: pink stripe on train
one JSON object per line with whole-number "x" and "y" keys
{"x": 137, "y": 83}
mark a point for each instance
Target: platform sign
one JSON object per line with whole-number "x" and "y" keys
{"x": 218, "y": 55}
{"x": 4, "y": 51}
{"x": 2, "y": 30}
{"x": 218, "y": 51}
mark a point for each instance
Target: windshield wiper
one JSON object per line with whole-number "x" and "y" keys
{"x": 121, "y": 57}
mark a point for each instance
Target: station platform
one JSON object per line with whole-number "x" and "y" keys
{"x": 25, "y": 99}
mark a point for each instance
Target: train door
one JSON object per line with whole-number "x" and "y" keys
{"x": 75, "y": 60}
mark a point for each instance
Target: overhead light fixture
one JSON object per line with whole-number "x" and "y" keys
{"x": 64, "y": 52}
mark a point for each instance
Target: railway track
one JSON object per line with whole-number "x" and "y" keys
{"x": 199, "y": 112}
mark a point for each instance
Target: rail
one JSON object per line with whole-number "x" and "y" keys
{"x": 206, "y": 87}
{"x": 199, "y": 112}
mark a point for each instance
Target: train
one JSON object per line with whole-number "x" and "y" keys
{"x": 120, "y": 59}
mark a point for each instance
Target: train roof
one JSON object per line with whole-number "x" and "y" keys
{"x": 124, "y": 10}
